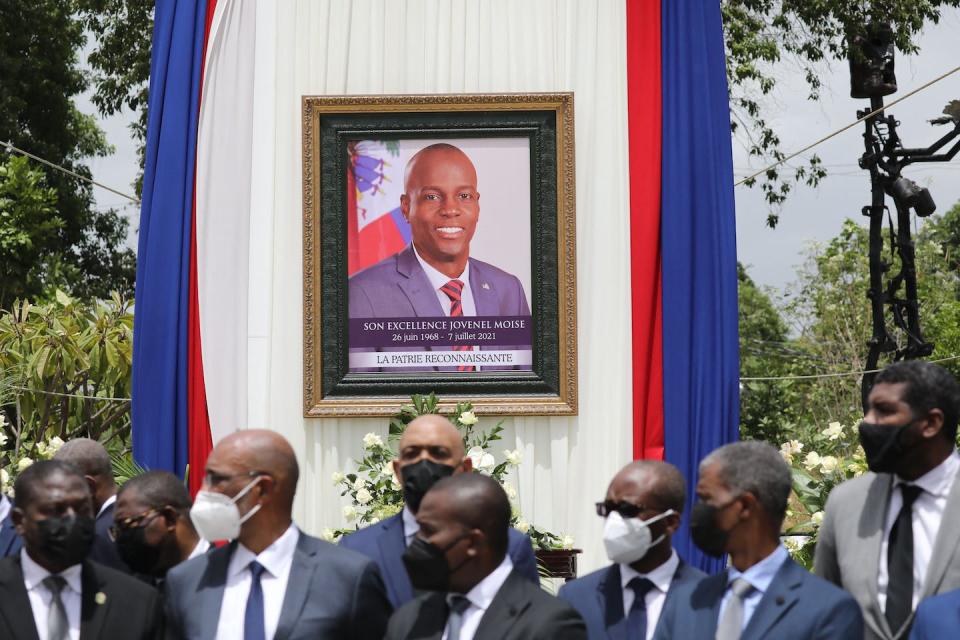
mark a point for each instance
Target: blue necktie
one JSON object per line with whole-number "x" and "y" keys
{"x": 253, "y": 626}
{"x": 637, "y": 618}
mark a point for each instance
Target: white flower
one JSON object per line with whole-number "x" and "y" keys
{"x": 468, "y": 418}
{"x": 482, "y": 461}
{"x": 359, "y": 483}
{"x": 789, "y": 449}
{"x": 3, "y": 436}
{"x": 337, "y": 478}
{"x": 387, "y": 469}
{"x": 510, "y": 491}
{"x": 812, "y": 461}
{"x": 828, "y": 464}
{"x": 817, "y": 517}
{"x": 373, "y": 520}
{"x": 23, "y": 463}
{"x": 364, "y": 496}
{"x": 3, "y": 420}
{"x": 833, "y": 431}
{"x": 514, "y": 457}
{"x": 522, "y": 526}
{"x": 54, "y": 445}
{"x": 327, "y": 534}
{"x": 395, "y": 482}
{"x": 4, "y": 478}
{"x": 566, "y": 542}
{"x": 372, "y": 440}
{"x": 350, "y": 513}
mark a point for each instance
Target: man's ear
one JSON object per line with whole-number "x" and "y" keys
{"x": 396, "y": 470}
{"x": 934, "y": 425}
{"x": 16, "y": 514}
{"x": 477, "y": 538}
{"x": 673, "y": 523}
{"x": 467, "y": 464}
{"x": 170, "y": 516}
{"x": 405, "y": 206}
{"x": 92, "y": 484}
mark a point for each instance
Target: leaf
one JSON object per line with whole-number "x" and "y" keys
{"x": 63, "y": 298}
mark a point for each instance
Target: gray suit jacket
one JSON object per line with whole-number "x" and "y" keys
{"x": 848, "y": 547}
{"x": 332, "y": 594}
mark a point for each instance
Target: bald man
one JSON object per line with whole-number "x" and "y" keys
{"x": 272, "y": 580}
{"x": 431, "y": 448}
{"x": 641, "y": 512}
{"x": 435, "y": 276}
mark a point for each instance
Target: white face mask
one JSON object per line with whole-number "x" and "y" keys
{"x": 217, "y": 517}
{"x": 628, "y": 539}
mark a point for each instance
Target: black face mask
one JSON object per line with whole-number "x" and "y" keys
{"x": 66, "y": 541}
{"x": 427, "y": 565}
{"x": 882, "y": 444}
{"x": 134, "y": 550}
{"x": 704, "y": 531}
{"x": 419, "y": 477}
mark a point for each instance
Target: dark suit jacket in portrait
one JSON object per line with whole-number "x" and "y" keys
{"x": 104, "y": 550}
{"x": 112, "y": 605}
{"x": 937, "y": 617}
{"x": 849, "y": 541}
{"x": 384, "y": 543}
{"x": 598, "y": 596}
{"x": 332, "y": 594}
{"x": 797, "y": 606}
{"x": 10, "y": 540}
{"x": 519, "y": 611}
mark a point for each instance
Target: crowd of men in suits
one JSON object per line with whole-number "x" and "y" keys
{"x": 85, "y": 560}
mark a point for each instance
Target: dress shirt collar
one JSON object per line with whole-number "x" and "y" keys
{"x": 106, "y": 503}
{"x": 484, "y": 591}
{"x": 761, "y": 574}
{"x": 410, "y": 525}
{"x": 4, "y": 507}
{"x": 661, "y": 577}
{"x": 938, "y": 481}
{"x": 202, "y": 547}
{"x": 33, "y": 573}
{"x": 437, "y": 279}
{"x": 274, "y": 558}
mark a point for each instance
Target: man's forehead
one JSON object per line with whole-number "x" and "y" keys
{"x": 429, "y": 434}
{"x": 887, "y": 392}
{"x": 427, "y": 162}
{"x": 636, "y": 485}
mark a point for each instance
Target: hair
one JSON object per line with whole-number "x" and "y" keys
{"x": 26, "y": 485}
{"x": 89, "y": 456}
{"x": 928, "y": 386}
{"x": 756, "y": 468}
{"x": 158, "y": 489}
{"x": 670, "y": 489}
{"x": 479, "y": 502}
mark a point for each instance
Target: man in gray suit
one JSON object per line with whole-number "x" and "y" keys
{"x": 890, "y": 537}
{"x": 272, "y": 580}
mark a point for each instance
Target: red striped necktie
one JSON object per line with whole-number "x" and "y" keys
{"x": 454, "y": 291}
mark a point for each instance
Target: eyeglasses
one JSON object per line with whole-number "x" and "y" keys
{"x": 133, "y": 522}
{"x": 213, "y": 478}
{"x": 625, "y": 509}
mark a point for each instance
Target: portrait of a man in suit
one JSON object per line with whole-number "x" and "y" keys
{"x": 435, "y": 276}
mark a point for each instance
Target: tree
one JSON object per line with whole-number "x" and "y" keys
{"x": 83, "y": 248}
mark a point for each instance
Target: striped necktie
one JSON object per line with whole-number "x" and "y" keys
{"x": 454, "y": 291}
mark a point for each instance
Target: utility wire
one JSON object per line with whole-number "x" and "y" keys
{"x": 842, "y": 129}
{"x": 831, "y": 375}
{"x": 12, "y": 149}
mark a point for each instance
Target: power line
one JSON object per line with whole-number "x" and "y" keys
{"x": 12, "y": 149}
{"x": 831, "y": 375}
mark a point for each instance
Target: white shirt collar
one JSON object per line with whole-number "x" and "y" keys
{"x": 939, "y": 480}
{"x": 33, "y": 573}
{"x": 274, "y": 558}
{"x": 437, "y": 279}
{"x": 410, "y": 525}
{"x": 106, "y": 503}
{"x": 4, "y": 507}
{"x": 661, "y": 577}
{"x": 202, "y": 547}
{"x": 484, "y": 591}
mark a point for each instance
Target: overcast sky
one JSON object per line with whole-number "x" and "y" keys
{"x": 771, "y": 255}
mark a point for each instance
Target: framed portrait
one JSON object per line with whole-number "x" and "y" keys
{"x": 439, "y": 252}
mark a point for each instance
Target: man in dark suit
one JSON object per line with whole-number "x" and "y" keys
{"x": 10, "y": 542}
{"x": 474, "y": 593}
{"x": 641, "y": 513}
{"x": 937, "y": 617}
{"x": 93, "y": 461}
{"x": 742, "y": 499}
{"x": 49, "y": 590}
{"x": 272, "y": 580}
{"x": 430, "y": 449}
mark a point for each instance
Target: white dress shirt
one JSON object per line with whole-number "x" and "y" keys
{"x": 4, "y": 507}
{"x": 759, "y": 576}
{"x": 480, "y": 598}
{"x": 927, "y": 514}
{"x": 41, "y": 598}
{"x": 438, "y": 280}
{"x": 277, "y": 560}
{"x": 410, "y": 525}
{"x": 661, "y": 577}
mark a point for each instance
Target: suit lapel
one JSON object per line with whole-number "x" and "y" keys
{"x": 416, "y": 286}
{"x": 945, "y": 544}
{"x": 15, "y": 604}
{"x": 95, "y": 603}
{"x": 781, "y": 595}
{"x": 610, "y": 599}
{"x": 298, "y": 585}
{"x": 872, "y": 522}
{"x": 509, "y": 603}
{"x": 392, "y": 544}
{"x": 484, "y": 294}
{"x": 209, "y": 594}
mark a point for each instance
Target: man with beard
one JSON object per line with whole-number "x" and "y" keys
{"x": 431, "y": 448}
{"x": 641, "y": 513}
{"x": 50, "y": 590}
{"x": 889, "y": 537}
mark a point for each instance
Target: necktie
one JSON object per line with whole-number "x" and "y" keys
{"x": 253, "y": 626}
{"x": 458, "y": 604}
{"x": 637, "y": 617}
{"x": 900, "y": 561}
{"x": 454, "y": 290}
{"x": 57, "y": 626}
{"x": 731, "y": 623}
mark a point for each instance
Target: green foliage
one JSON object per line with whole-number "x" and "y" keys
{"x": 763, "y": 35}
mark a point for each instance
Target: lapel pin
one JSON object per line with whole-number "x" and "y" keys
{"x": 780, "y": 600}
{"x": 485, "y": 285}
{"x": 100, "y": 598}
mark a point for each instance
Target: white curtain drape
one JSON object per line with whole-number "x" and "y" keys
{"x": 316, "y": 47}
